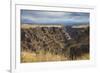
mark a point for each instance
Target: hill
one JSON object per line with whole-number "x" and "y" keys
{"x": 57, "y": 40}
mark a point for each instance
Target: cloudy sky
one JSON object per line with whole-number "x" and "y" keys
{"x": 51, "y": 17}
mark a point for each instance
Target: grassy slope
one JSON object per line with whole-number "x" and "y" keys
{"x": 33, "y": 57}
{"x": 28, "y": 57}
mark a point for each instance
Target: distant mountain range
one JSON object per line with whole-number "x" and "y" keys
{"x": 65, "y": 24}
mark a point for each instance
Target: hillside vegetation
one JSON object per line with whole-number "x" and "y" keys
{"x": 40, "y": 44}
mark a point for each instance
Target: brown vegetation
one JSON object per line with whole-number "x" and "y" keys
{"x": 53, "y": 44}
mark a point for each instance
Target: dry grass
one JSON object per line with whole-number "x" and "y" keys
{"x": 33, "y": 57}
{"x": 28, "y": 57}
{"x": 84, "y": 57}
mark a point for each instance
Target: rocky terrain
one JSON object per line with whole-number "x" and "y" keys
{"x": 68, "y": 41}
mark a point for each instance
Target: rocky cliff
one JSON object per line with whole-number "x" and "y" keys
{"x": 57, "y": 40}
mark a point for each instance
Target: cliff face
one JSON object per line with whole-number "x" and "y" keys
{"x": 44, "y": 38}
{"x": 65, "y": 41}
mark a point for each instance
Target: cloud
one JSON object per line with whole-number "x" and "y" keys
{"x": 48, "y": 17}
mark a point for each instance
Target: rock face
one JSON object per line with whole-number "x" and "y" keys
{"x": 66, "y": 41}
{"x": 51, "y": 39}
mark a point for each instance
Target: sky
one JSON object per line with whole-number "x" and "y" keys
{"x": 53, "y": 17}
